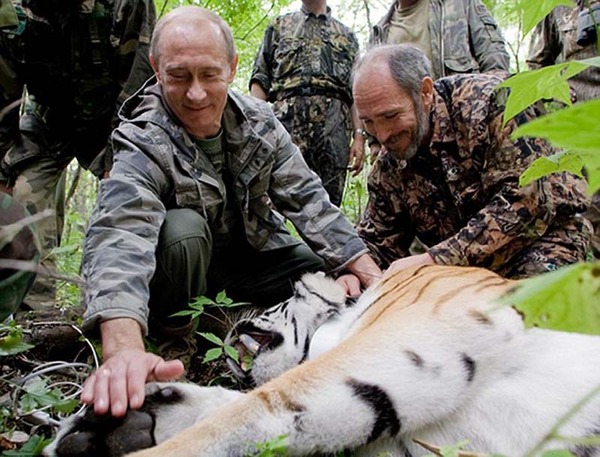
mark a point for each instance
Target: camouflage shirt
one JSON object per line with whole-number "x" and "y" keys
{"x": 461, "y": 195}
{"x": 555, "y": 40}
{"x": 464, "y": 38}
{"x": 79, "y": 66}
{"x": 158, "y": 167}
{"x": 304, "y": 51}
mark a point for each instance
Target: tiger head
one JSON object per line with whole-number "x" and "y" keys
{"x": 279, "y": 338}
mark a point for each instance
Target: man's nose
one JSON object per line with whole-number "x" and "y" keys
{"x": 196, "y": 91}
{"x": 382, "y": 133}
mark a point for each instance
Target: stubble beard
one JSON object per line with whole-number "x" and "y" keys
{"x": 417, "y": 136}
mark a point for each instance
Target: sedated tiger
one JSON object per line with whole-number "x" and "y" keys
{"x": 426, "y": 355}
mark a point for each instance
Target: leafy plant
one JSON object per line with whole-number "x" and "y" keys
{"x": 274, "y": 448}
{"x": 573, "y": 292}
{"x": 221, "y": 349}
{"x": 11, "y": 340}
{"x": 38, "y": 395}
{"x": 198, "y": 308}
{"x": 34, "y": 446}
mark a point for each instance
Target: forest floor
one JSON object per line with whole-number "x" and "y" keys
{"x": 40, "y": 382}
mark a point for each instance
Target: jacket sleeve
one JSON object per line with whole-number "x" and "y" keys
{"x": 486, "y": 40}
{"x": 120, "y": 243}
{"x": 297, "y": 192}
{"x": 262, "y": 69}
{"x": 133, "y": 24}
{"x": 385, "y": 226}
{"x": 514, "y": 216}
{"x": 544, "y": 47}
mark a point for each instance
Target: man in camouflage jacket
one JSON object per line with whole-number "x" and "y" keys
{"x": 463, "y": 36}
{"x": 303, "y": 66}
{"x": 79, "y": 60}
{"x": 450, "y": 171}
{"x": 555, "y": 41}
{"x": 192, "y": 205}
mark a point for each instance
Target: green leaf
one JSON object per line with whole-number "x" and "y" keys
{"x": 189, "y": 312}
{"x": 66, "y": 406}
{"x": 534, "y": 11}
{"x": 573, "y": 293}
{"x": 212, "y": 338}
{"x": 557, "y": 453}
{"x": 574, "y": 129}
{"x": 33, "y": 447}
{"x": 13, "y": 344}
{"x": 528, "y": 87}
{"x": 542, "y": 166}
{"x": 212, "y": 354}
{"x": 231, "y": 352}
{"x": 223, "y": 299}
{"x": 201, "y": 301}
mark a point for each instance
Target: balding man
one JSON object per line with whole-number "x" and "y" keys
{"x": 188, "y": 210}
{"x": 449, "y": 174}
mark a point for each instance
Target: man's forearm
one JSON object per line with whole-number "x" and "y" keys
{"x": 120, "y": 334}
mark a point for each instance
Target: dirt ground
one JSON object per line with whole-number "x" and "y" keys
{"x": 64, "y": 358}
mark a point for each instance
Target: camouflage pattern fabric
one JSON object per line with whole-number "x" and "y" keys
{"x": 464, "y": 38}
{"x": 304, "y": 65}
{"x": 23, "y": 247}
{"x": 77, "y": 71}
{"x": 159, "y": 167}
{"x": 320, "y": 126}
{"x": 554, "y": 41}
{"x": 461, "y": 195}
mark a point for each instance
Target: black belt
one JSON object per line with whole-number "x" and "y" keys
{"x": 309, "y": 91}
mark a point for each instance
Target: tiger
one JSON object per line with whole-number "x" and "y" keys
{"x": 426, "y": 357}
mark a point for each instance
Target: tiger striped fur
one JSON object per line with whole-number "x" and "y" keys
{"x": 425, "y": 354}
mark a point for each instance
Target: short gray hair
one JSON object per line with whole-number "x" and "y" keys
{"x": 408, "y": 65}
{"x": 198, "y": 12}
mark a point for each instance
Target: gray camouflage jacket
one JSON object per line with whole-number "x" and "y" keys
{"x": 464, "y": 38}
{"x": 158, "y": 167}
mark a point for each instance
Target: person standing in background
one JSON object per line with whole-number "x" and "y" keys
{"x": 77, "y": 61}
{"x": 568, "y": 33}
{"x": 303, "y": 66}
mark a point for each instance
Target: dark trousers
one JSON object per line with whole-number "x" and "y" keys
{"x": 188, "y": 266}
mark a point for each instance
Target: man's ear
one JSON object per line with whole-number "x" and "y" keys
{"x": 154, "y": 65}
{"x": 427, "y": 92}
{"x": 233, "y": 68}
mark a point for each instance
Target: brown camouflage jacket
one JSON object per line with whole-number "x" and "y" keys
{"x": 555, "y": 40}
{"x": 461, "y": 195}
{"x": 464, "y": 38}
{"x": 158, "y": 167}
{"x": 301, "y": 51}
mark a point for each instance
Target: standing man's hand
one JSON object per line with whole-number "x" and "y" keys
{"x": 120, "y": 381}
{"x": 357, "y": 153}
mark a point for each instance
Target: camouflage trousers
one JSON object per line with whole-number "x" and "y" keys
{"x": 35, "y": 168}
{"x": 188, "y": 265}
{"x": 321, "y": 127}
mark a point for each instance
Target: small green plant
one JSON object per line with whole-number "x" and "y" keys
{"x": 11, "y": 339}
{"x": 38, "y": 395}
{"x": 34, "y": 446}
{"x": 273, "y": 448}
{"x": 221, "y": 349}
{"x": 200, "y": 303}
{"x": 198, "y": 308}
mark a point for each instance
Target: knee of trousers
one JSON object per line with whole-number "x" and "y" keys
{"x": 184, "y": 230}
